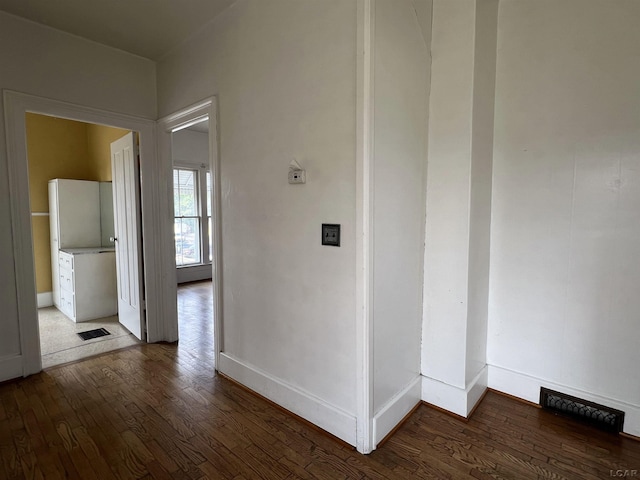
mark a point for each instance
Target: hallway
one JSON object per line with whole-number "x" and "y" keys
{"x": 195, "y": 318}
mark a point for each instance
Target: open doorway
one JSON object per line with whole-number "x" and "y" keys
{"x": 193, "y": 235}
{"x": 192, "y": 202}
{"x": 188, "y": 140}
{"x": 73, "y": 225}
{"x": 158, "y": 280}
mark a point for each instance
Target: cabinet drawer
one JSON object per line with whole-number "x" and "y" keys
{"x": 67, "y": 303}
{"x": 65, "y": 260}
{"x": 66, "y": 280}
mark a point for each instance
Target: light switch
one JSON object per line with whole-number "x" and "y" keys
{"x": 331, "y": 234}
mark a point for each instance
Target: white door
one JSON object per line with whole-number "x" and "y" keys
{"x": 126, "y": 209}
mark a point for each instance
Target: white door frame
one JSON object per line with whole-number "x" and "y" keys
{"x": 154, "y": 180}
{"x": 166, "y": 125}
{"x": 365, "y": 88}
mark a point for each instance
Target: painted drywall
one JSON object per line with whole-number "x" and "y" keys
{"x": 401, "y": 87}
{"x": 448, "y": 195}
{"x": 459, "y": 203}
{"x": 60, "y": 148}
{"x": 565, "y": 241}
{"x": 56, "y": 148}
{"x": 74, "y": 70}
{"x": 284, "y": 72}
{"x": 99, "y": 140}
{"x": 484, "y": 77}
{"x": 190, "y": 148}
{"x": 42, "y": 253}
{"x": 41, "y": 61}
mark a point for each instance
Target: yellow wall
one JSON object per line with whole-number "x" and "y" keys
{"x": 58, "y": 148}
{"x": 99, "y": 139}
{"x": 42, "y": 253}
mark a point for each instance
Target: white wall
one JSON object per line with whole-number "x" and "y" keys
{"x": 484, "y": 78}
{"x": 458, "y": 203}
{"x": 565, "y": 246}
{"x": 44, "y": 62}
{"x": 284, "y": 72}
{"x": 190, "y": 148}
{"x": 401, "y": 87}
{"x": 447, "y": 229}
{"x": 49, "y": 63}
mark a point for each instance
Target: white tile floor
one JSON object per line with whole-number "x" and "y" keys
{"x": 60, "y": 343}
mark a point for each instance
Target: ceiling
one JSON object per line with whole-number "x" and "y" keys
{"x": 149, "y": 28}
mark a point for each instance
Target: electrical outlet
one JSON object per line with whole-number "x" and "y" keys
{"x": 297, "y": 176}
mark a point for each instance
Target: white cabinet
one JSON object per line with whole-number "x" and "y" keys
{"x": 87, "y": 279}
{"x": 83, "y": 272}
{"x": 74, "y": 220}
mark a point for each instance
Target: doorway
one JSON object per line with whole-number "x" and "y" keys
{"x": 192, "y": 200}
{"x": 72, "y": 215}
{"x": 188, "y": 140}
{"x": 160, "y": 303}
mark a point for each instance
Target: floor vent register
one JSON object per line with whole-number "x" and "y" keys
{"x": 89, "y": 334}
{"x": 600, "y": 416}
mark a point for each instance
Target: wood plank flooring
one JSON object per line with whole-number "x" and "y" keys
{"x": 160, "y": 412}
{"x": 195, "y": 318}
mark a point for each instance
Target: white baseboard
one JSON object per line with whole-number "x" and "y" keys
{"x": 477, "y": 388}
{"x": 10, "y": 367}
{"x": 194, "y": 273}
{"x": 317, "y": 411}
{"x": 395, "y": 410}
{"x": 454, "y": 399}
{"x": 45, "y": 299}
{"x": 527, "y": 387}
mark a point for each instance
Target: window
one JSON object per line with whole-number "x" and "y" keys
{"x": 192, "y": 193}
{"x": 187, "y": 217}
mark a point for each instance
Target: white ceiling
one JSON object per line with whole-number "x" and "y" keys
{"x": 149, "y": 28}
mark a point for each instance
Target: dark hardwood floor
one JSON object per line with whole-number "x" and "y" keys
{"x": 195, "y": 318}
{"x": 159, "y": 411}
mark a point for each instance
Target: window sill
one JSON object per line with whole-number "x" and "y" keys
{"x": 193, "y": 273}
{"x": 192, "y": 265}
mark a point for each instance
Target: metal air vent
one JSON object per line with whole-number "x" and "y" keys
{"x": 605, "y": 418}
